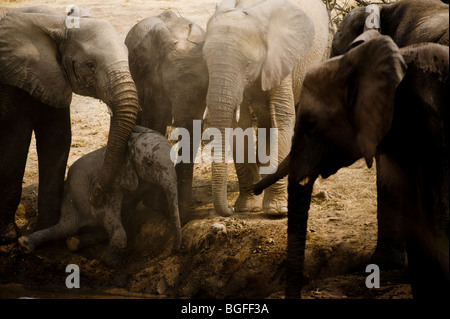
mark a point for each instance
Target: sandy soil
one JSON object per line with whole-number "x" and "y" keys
{"x": 240, "y": 257}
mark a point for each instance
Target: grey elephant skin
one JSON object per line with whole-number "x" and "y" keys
{"x": 147, "y": 163}
{"x": 398, "y": 108}
{"x": 167, "y": 65}
{"x": 42, "y": 61}
{"x": 257, "y": 54}
{"x": 407, "y": 22}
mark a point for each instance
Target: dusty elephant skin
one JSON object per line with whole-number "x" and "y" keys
{"x": 148, "y": 162}
{"x": 401, "y": 115}
{"x": 167, "y": 65}
{"x": 407, "y": 22}
{"x": 42, "y": 61}
{"x": 257, "y": 56}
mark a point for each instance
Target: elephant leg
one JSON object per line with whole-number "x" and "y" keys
{"x": 390, "y": 250}
{"x": 246, "y": 171}
{"x": 117, "y": 241}
{"x": 275, "y": 196}
{"x": 15, "y": 135}
{"x": 110, "y": 216}
{"x": 36, "y": 239}
{"x": 282, "y": 118}
{"x": 170, "y": 191}
{"x": 185, "y": 174}
{"x": 247, "y": 201}
{"x": 68, "y": 225}
{"x": 53, "y": 137}
{"x": 427, "y": 246}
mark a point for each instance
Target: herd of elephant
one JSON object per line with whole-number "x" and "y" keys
{"x": 382, "y": 93}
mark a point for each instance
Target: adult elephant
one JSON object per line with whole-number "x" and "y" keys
{"x": 407, "y": 22}
{"x": 44, "y": 57}
{"x": 397, "y": 108}
{"x": 257, "y": 55}
{"x": 167, "y": 65}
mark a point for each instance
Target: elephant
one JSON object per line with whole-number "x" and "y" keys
{"x": 386, "y": 101}
{"x": 167, "y": 65}
{"x": 407, "y": 22}
{"x": 257, "y": 54}
{"x": 147, "y": 163}
{"x": 44, "y": 57}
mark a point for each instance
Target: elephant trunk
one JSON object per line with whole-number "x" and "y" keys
{"x": 282, "y": 171}
{"x": 185, "y": 174}
{"x": 225, "y": 91}
{"x": 299, "y": 200}
{"x": 122, "y": 99}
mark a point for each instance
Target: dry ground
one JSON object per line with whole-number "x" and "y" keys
{"x": 240, "y": 256}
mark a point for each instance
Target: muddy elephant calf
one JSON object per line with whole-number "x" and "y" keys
{"x": 147, "y": 162}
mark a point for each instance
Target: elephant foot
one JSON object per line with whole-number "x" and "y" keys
{"x": 389, "y": 257}
{"x": 275, "y": 205}
{"x": 227, "y": 212}
{"x": 248, "y": 203}
{"x": 26, "y": 244}
{"x": 73, "y": 243}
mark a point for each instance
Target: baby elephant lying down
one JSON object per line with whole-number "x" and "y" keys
{"x": 147, "y": 162}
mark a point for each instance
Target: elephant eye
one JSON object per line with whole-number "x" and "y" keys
{"x": 308, "y": 124}
{"x": 90, "y": 65}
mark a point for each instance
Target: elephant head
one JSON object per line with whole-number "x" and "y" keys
{"x": 335, "y": 130}
{"x": 49, "y": 58}
{"x": 248, "y": 43}
{"x": 165, "y": 54}
{"x": 406, "y": 22}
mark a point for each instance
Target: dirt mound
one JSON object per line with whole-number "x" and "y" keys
{"x": 242, "y": 256}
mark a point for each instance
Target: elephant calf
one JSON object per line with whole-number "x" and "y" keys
{"x": 147, "y": 162}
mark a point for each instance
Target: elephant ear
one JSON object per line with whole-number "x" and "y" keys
{"x": 288, "y": 34}
{"x": 150, "y": 38}
{"x": 30, "y": 58}
{"x": 196, "y": 33}
{"x": 77, "y": 11}
{"x": 364, "y": 37}
{"x": 181, "y": 28}
{"x": 225, "y": 5}
{"x": 372, "y": 71}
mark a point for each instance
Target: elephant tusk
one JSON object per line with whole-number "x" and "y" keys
{"x": 205, "y": 113}
{"x": 238, "y": 113}
{"x": 304, "y": 181}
